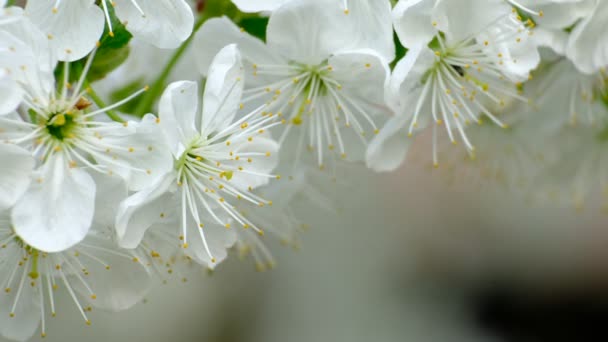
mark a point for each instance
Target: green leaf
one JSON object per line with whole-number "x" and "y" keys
{"x": 255, "y": 26}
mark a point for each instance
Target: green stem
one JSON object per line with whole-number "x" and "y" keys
{"x": 101, "y": 104}
{"x": 157, "y": 87}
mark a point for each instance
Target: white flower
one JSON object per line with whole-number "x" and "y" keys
{"x": 95, "y": 272}
{"x": 73, "y": 27}
{"x": 221, "y": 160}
{"x": 475, "y": 61}
{"x": 315, "y": 73}
{"x": 58, "y": 128}
{"x": 369, "y": 20}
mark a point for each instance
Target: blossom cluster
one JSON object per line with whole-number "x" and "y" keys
{"x": 107, "y": 183}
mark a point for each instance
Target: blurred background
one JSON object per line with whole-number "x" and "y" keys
{"x": 407, "y": 258}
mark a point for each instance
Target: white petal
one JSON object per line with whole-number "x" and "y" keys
{"x": 407, "y": 75}
{"x": 258, "y": 5}
{"x": 177, "y": 112}
{"x": 454, "y": 18}
{"x": 28, "y": 58}
{"x": 223, "y": 90}
{"x": 372, "y": 21}
{"x": 111, "y": 190}
{"x": 412, "y": 21}
{"x": 119, "y": 283}
{"x": 11, "y": 95}
{"x": 56, "y": 212}
{"x": 389, "y": 148}
{"x": 163, "y": 23}
{"x": 218, "y": 239}
{"x": 363, "y": 75}
{"x": 16, "y": 165}
{"x": 73, "y": 28}
{"x": 27, "y": 313}
{"x": 216, "y": 33}
{"x": 309, "y": 31}
{"x": 141, "y": 210}
{"x": 588, "y": 46}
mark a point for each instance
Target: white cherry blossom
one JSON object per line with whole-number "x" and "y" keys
{"x": 216, "y": 164}
{"x": 313, "y": 73}
{"x": 471, "y": 64}
{"x": 59, "y": 127}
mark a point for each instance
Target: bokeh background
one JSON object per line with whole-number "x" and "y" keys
{"x": 405, "y": 258}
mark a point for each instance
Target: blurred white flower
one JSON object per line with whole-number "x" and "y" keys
{"x": 95, "y": 272}
{"x": 473, "y": 62}
{"x": 225, "y": 158}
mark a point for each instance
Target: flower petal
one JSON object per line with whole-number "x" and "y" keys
{"x": 216, "y": 33}
{"x": 310, "y": 31}
{"x": 162, "y": 23}
{"x": 177, "y": 112}
{"x": 73, "y": 27}
{"x": 412, "y": 21}
{"x": 249, "y": 6}
{"x": 11, "y": 94}
{"x": 56, "y": 212}
{"x": 141, "y": 210}
{"x": 144, "y": 156}
{"x": 223, "y": 90}
{"x": 588, "y": 46}
{"x": 118, "y": 283}
{"x": 16, "y": 165}
{"x": 218, "y": 239}
{"x": 389, "y": 148}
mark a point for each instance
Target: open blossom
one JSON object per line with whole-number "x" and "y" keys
{"x": 57, "y": 126}
{"x": 73, "y": 27}
{"x": 94, "y": 273}
{"x": 326, "y": 86}
{"x": 217, "y": 163}
{"x": 457, "y": 67}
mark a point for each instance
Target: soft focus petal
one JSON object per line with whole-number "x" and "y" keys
{"x": 163, "y": 23}
{"x": 218, "y": 239}
{"x": 388, "y": 149}
{"x": 73, "y": 27}
{"x": 16, "y": 166}
{"x": 119, "y": 283}
{"x": 141, "y": 210}
{"x": 223, "y": 90}
{"x": 216, "y": 33}
{"x": 588, "y": 47}
{"x": 56, "y": 212}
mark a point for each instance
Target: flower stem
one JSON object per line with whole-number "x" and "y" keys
{"x": 156, "y": 88}
{"x": 101, "y": 104}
